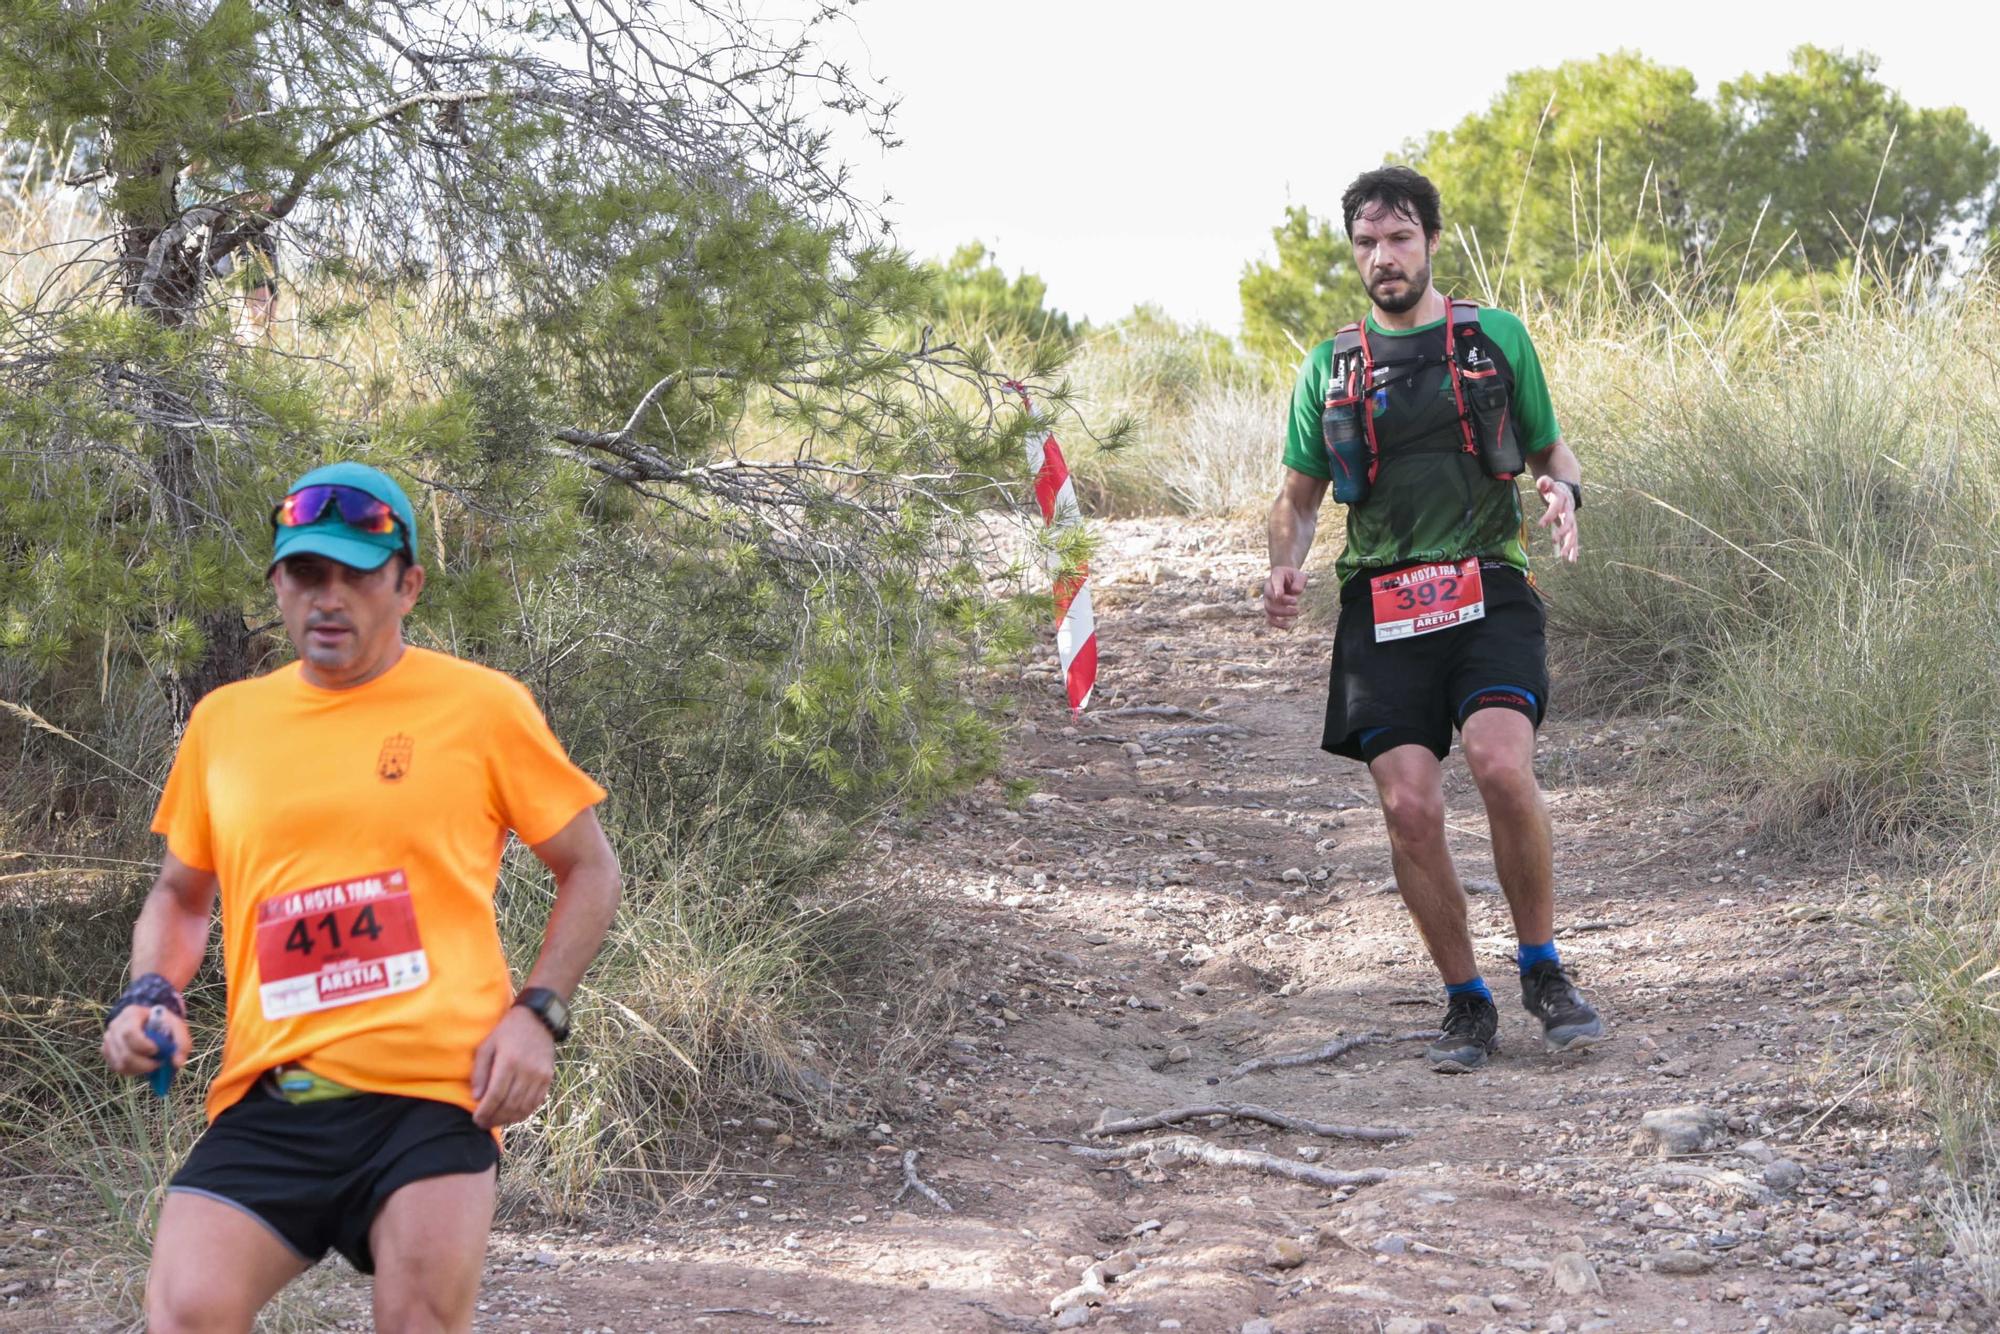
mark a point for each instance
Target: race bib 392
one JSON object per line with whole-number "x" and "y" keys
{"x": 352, "y": 940}
{"x": 1426, "y": 598}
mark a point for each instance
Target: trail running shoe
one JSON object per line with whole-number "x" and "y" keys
{"x": 1568, "y": 1021}
{"x": 1471, "y": 1030}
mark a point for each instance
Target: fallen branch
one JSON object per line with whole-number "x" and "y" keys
{"x": 1152, "y": 711}
{"x": 1332, "y": 1051}
{"x": 1190, "y": 733}
{"x": 912, "y": 1182}
{"x": 782, "y": 1317}
{"x": 1178, "y": 1147}
{"x": 1244, "y": 1111}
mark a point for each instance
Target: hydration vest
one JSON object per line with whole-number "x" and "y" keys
{"x": 1482, "y": 391}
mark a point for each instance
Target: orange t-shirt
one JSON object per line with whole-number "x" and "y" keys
{"x": 356, "y": 835}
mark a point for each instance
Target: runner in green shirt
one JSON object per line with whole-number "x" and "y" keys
{"x": 1440, "y": 626}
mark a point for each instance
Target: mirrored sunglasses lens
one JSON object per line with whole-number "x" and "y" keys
{"x": 361, "y": 510}
{"x": 304, "y": 506}
{"x": 358, "y": 509}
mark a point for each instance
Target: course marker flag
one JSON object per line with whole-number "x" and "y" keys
{"x": 1076, "y": 626}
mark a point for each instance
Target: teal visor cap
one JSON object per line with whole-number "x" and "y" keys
{"x": 337, "y": 540}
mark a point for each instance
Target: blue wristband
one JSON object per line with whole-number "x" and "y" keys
{"x": 147, "y": 989}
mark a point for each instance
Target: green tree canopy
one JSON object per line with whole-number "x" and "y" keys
{"x": 584, "y": 276}
{"x": 1615, "y": 168}
{"x": 974, "y": 292}
{"x": 1843, "y": 160}
{"x": 1304, "y": 295}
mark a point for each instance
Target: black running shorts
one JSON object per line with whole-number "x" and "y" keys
{"x": 1416, "y": 690}
{"x": 317, "y": 1173}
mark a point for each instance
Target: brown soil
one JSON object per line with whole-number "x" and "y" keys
{"x": 1159, "y": 910}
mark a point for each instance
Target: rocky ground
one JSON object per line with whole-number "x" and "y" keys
{"x": 1188, "y": 889}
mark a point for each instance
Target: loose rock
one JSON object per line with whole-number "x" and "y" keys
{"x": 1783, "y": 1175}
{"x": 1284, "y": 1253}
{"x": 1574, "y": 1275}
{"x": 1671, "y": 1131}
{"x": 1682, "y": 1263}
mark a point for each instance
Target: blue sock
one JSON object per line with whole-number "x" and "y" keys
{"x": 1530, "y": 955}
{"x": 1476, "y": 987}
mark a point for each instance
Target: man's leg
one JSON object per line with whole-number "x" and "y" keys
{"x": 1499, "y": 747}
{"x": 429, "y": 1246}
{"x": 1411, "y": 783}
{"x": 1500, "y": 750}
{"x": 214, "y": 1267}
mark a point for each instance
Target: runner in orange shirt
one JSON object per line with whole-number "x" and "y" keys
{"x": 350, "y": 811}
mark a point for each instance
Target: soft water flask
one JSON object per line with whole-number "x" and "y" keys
{"x": 1346, "y": 445}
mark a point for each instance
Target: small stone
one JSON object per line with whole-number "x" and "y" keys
{"x": 1180, "y": 1055}
{"x": 1174, "y": 1231}
{"x": 1682, "y": 1263}
{"x": 1284, "y": 1253}
{"x": 764, "y": 1125}
{"x": 1392, "y": 1243}
{"x": 1574, "y": 1275}
{"x": 1756, "y": 1150}
{"x": 1672, "y": 1131}
{"x": 1310, "y": 1153}
{"x": 1259, "y": 1326}
{"x": 1816, "y": 1320}
{"x": 1783, "y": 1175}
{"x": 1508, "y": 1303}
{"x": 1469, "y": 1303}
{"x": 1194, "y": 988}
{"x": 549, "y": 1258}
{"x": 1072, "y": 1317}
{"x": 1409, "y": 1324}
{"x": 1293, "y": 876}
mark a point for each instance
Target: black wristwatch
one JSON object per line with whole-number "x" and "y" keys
{"x": 1575, "y": 493}
{"x": 548, "y": 1007}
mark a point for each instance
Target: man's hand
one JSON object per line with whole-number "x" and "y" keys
{"x": 1281, "y": 596}
{"x": 127, "y": 1049}
{"x": 1561, "y": 513}
{"x": 512, "y": 1070}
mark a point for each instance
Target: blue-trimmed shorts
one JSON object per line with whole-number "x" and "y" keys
{"x": 1417, "y": 691}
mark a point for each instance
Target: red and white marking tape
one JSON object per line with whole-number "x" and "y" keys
{"x": 1076, "y": 626}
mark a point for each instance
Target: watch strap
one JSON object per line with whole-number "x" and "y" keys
{"x": 539, "y": 1001}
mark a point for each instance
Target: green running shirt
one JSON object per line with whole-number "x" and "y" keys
{"x": 1431, "y": 501}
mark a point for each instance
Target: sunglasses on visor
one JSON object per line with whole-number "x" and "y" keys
{"x": 309, "y": 504}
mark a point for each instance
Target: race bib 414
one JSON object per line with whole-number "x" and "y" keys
{"x": 1426, "y": 598}
{"x": 352, "y": 940}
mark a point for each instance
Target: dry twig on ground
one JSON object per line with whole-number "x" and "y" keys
{"x": 1244, "y": 1111}
{"x": 1192, "y": 732}
{"x": 1250, "y": 1160}
{"x": 1153, "y": 711}
{"x": 912, "y": 1182}
{"x": 1331, "y": 1051}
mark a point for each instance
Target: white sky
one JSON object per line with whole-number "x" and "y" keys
{"x": 1132, "y": 152}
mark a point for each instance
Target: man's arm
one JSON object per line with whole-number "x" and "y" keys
{"x": 1294, "y": 520}
{"x": 1555, "y": 463}
{"x": 514, "y": 1066}
{"x": 169, "y": 938}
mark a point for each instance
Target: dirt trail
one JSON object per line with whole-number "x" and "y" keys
{"x": 1164, "y": 908}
